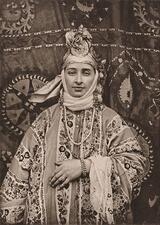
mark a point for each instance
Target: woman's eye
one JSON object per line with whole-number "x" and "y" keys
{"x": 87, "y": 73}
{"x": 71, "y": 72}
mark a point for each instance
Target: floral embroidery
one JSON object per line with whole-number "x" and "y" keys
{"x": 36, "y": 211}
{"x": 116, "y": 126}
{"x": 120, "y": 200}
{"x": 93, "y": 145}
{"x": 132, "y": 170}
{"x": 88, "y": 214}
{"x": 41, "y": 124}
{"x": 63, "y": 202}
{"x": 34, "y": 194}
{"x": 128, "y": 145}
{"x": 24, "y": 157}
{"x": 12, "y": 215}
{"x": 63, "y": 196}
{"x": 13, "y": 188}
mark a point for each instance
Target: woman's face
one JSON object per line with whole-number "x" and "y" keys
{"x": 78, "y": 78}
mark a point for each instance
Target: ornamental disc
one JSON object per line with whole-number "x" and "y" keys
{"x": 17, "y": 112}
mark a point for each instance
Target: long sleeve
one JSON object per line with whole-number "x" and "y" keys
{"x": 117, "y": 176}
{"x": 15, "y": 186}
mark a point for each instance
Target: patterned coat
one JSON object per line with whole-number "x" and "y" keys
{"x": 26, "y": 194}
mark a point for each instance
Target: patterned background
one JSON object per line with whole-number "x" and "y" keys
{"x": 125, "y": 32}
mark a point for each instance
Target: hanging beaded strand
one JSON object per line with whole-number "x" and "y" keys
{"x": 67, "y": 131}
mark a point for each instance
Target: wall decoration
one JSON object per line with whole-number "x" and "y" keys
{"x": 147, "y": 15}
{"x": 16, "y": 17}
{"x": 125, "y": 92}
{"x": 17, "y": 111}
{"x": 52, "y": 45}
{"x": 86, "y": 12}
{"x": 126, "y": 58}
{"x": 95, "y": 29}
{"x": 6, "y": 157}
{"x": 154, "y": 109}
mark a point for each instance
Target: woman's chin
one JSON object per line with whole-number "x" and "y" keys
{"x": 77, "y": 94}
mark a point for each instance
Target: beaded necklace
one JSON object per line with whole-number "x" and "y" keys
{"x": 67, "y": 131}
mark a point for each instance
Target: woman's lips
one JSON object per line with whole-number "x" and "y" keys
{"x": 78, "y": 88}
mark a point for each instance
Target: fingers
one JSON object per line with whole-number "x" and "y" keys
{"x": 65, "y": 182}
{"x": 60, "y": 176}
{"x": 55, "y": 177}
{"x": 59, "y": 180}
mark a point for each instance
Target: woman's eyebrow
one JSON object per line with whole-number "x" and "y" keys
{"x": 71, "y": 68}
{"x": 86, "y": 69}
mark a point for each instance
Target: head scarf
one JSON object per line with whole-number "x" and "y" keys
{"x": 52, "y": 89}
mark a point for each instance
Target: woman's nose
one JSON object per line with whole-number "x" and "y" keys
{"x": 79, "y": 78}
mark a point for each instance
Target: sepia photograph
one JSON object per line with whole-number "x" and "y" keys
{"x": 79, "y": 112}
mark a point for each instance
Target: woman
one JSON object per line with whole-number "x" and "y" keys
{"x": 79, "y": 162}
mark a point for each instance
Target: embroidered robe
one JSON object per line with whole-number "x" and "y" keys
{"x": 26, "y": 196}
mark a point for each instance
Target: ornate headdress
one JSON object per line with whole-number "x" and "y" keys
{"x": 80, "y": 47}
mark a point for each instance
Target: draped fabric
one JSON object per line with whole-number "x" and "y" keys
{"x": 26, "y": 195}
{"x": 125, "y": 33}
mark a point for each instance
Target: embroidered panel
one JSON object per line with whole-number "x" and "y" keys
{"x": 24, "y": 157}
{"x": 63, "y": 196}
{"x": 128, "y": 145}
{"x": 93, "y": 144}
{"x": 88, "y": 214}
{"x": 120, "y": 200}
{"x": 12, "y": 215}
{"x": 13, "y": 188}
{"x": 36, "y": 211}
{"x": 41, "y": 124}
{"x": 116, "y": 126}
{"x": 132, "y": 169}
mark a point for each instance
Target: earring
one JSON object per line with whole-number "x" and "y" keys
{"x": 61, "y": 98}
{"x": 97, "y": 96}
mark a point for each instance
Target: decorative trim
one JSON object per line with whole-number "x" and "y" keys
{"x": 28, "y": 48}
{"x": 142, "y": 133}
{"x": 63, "y": 196}
{"x": 10, "y": 192}
{"x": 36, "y": 202}
{"x": 138, "y": 69}
{"x": 11, "y": 214}
{"x": 116, "y": 30}
{"x": 125, "y": 93}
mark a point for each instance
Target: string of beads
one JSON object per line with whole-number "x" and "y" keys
{"x": 68, "y": 133}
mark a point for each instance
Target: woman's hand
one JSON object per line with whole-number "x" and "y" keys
{"x": 66, "y": 171}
